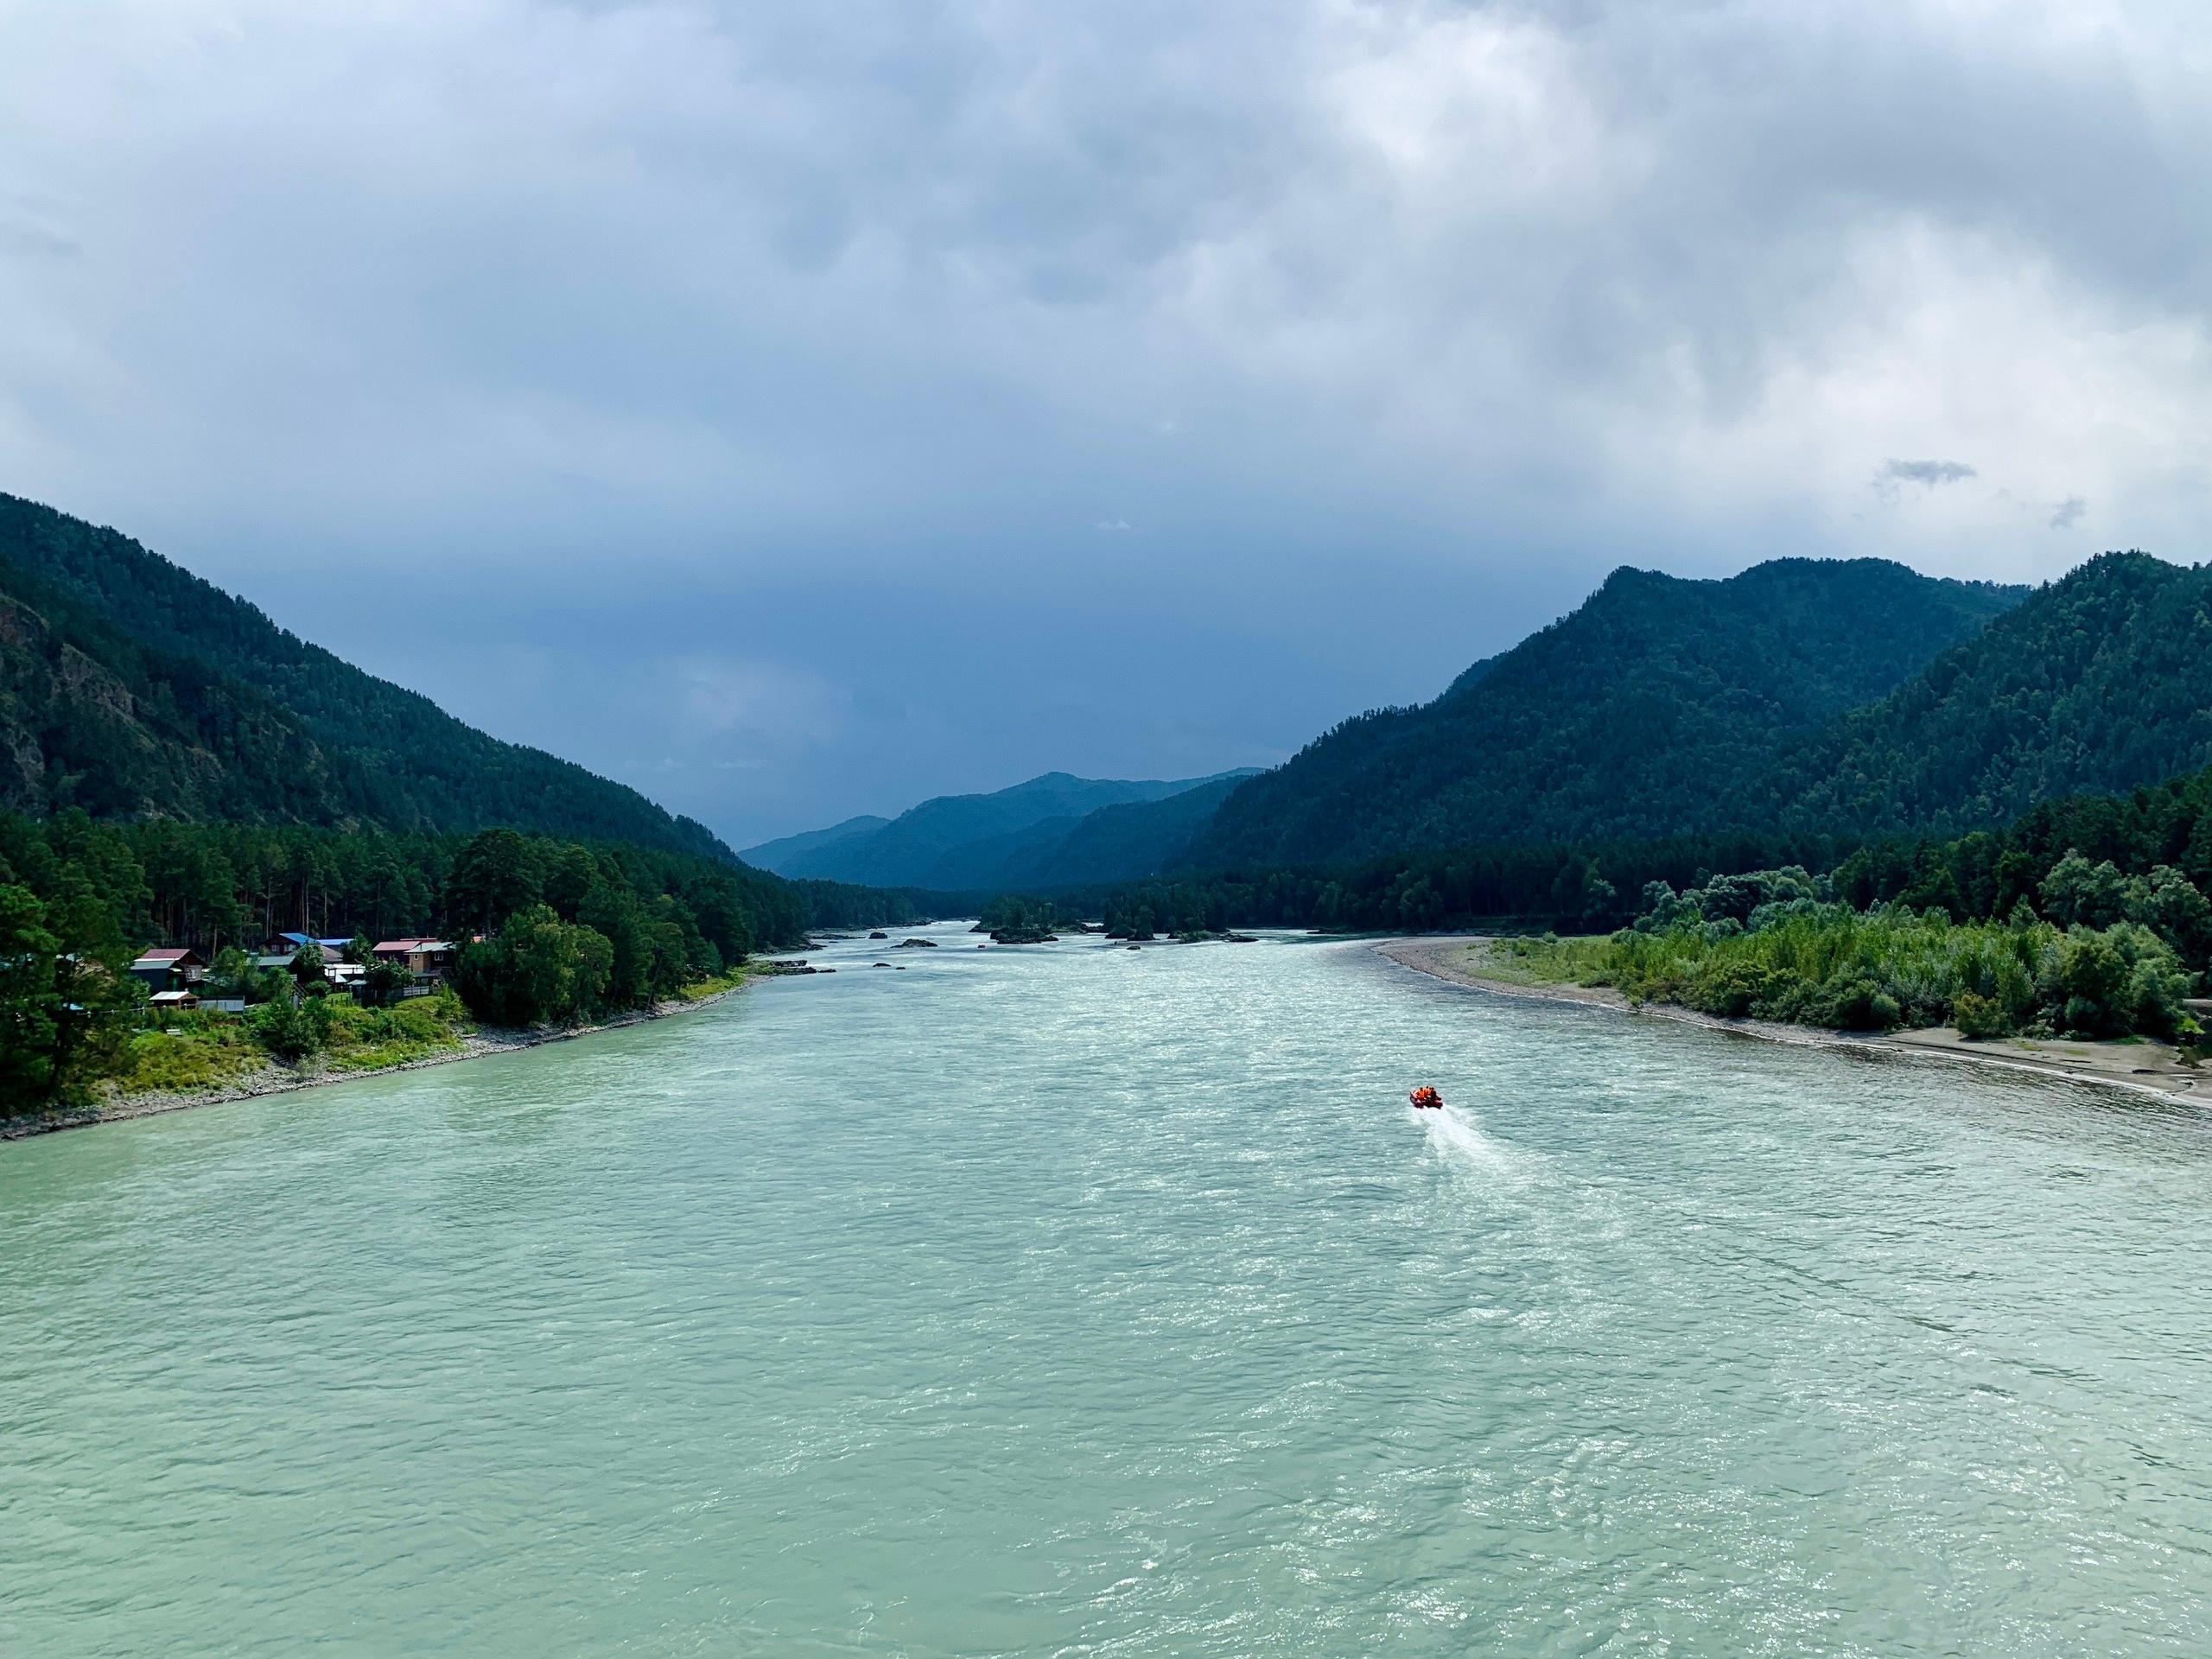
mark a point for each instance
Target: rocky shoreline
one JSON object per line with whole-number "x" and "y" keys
{"x": 1452, "y": 958}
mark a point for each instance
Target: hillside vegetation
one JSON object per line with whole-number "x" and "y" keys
{"x": 1639, "y": 716}
{"x": 2101, "y": 681}
{"x": 132, "y": 688}
{"x": 176, "y": 770}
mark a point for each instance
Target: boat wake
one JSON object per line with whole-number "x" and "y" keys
{"x": 1456, "y": 1137}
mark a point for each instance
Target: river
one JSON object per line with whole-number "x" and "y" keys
{"x": 1071, "y": 1300}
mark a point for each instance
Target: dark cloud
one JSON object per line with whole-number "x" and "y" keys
{"x": 1927, "y": 472}
{"x": 2068, "y": 512}
{"x": 746, "y": 329}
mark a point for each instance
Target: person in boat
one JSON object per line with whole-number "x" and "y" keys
{"x": 1425, "y": 1099}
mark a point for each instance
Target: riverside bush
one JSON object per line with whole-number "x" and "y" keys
{"x": 204, "y": 1051}
{"x": 289, "y": 1030}
{"x": 1810, "y": 961}
{"x": 356, "y": 1038}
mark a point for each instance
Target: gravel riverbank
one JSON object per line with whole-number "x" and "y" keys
{"x": 2146, "y": 1067}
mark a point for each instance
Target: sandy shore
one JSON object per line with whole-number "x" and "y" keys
{"x": 2145, "y": 1067}
{"x": 276, "y": 1078}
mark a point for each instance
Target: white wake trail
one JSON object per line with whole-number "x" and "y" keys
{"x": 1455, "y": 1136}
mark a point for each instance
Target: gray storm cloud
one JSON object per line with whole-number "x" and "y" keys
{"x": 812, "y": 338}
{"x": 1929, "y": 473}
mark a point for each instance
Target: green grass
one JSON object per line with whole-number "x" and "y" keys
{"x": 378, "y": 1057}
{"x": 1547, "y": 961}
{"x": 199, "y": 1051}
{"x": 160, "y": 1064}
{"x": 700, "y": 990}
{"x": 209, "y": 1050}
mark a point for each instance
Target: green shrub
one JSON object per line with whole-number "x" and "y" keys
{"x": 1814, "y": 962}
{"x": 1732, "y": 987}
{"x": 1981, "y": 1018}
{"x": 368, "y": 1040}
{"x": 1852, "y": 1001}
{"x": 536, "y": 969}
{"x": 699, "y": 990}
{"x": 289, "y": 1030}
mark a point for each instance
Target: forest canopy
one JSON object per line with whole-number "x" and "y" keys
{"x": 133, "y": 689}
{"x": 570, "y": 930}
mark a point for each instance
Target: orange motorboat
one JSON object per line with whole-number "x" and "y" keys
{"x": 1425, "y": 1099}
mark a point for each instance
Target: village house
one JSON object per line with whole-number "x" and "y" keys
{"x": 289, "y": 946}
{"x": 424, "y": 958}
{"x": 168, "y": 969}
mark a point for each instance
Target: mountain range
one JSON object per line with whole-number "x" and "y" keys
{"x": 1852, "y": 699}
{"x": 1801, "y": 698}
{"x": 1834, "y": 698}
{"x": 1051, "y": 830}
{"x": 2098, "y": 684}
{"x": 1642, "y": 714}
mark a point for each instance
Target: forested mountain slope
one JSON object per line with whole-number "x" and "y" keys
{"x": 775, "y": 854}
{"x": 1639, "y": 716}
{"x": 88, "y": 719}
{"x": 966, "y": 842}
{"x": 1114, "y": 843}
{"x": 131, "y": 688}
{"x": 2100, "y": 681}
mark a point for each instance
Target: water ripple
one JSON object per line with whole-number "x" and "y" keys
{"x": 1075, "y": 1300}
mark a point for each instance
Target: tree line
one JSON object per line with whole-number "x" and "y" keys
{"x": 1586, "y": 887}
{"x": 1591, "y": 887}
{"x": 551, "y": 930}
{"x": 2087, "y": 916}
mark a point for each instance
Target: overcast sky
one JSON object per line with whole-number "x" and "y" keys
{"x": 798, "y": 409}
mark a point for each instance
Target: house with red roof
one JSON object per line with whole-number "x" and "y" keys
{"x": 424, "y": 958}
{"x": 169, "y": 969}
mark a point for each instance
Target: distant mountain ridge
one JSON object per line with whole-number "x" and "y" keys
{"x": 1800, "y": 698}
{"x": 772, "y": 855}
{"x": 1642, "y": 713}
{"x": 130, "y": 687}
{"x": 1038, "y": 831}
{"x": 1115, "y": 843}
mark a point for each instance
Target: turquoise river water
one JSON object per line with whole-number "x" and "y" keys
{"x": 1077, "y": 1300}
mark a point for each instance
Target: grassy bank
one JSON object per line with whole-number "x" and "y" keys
{"x": 702, "y": 990}
{"x": 203, "y": 1051}
{"x": 202, "y": 1057}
